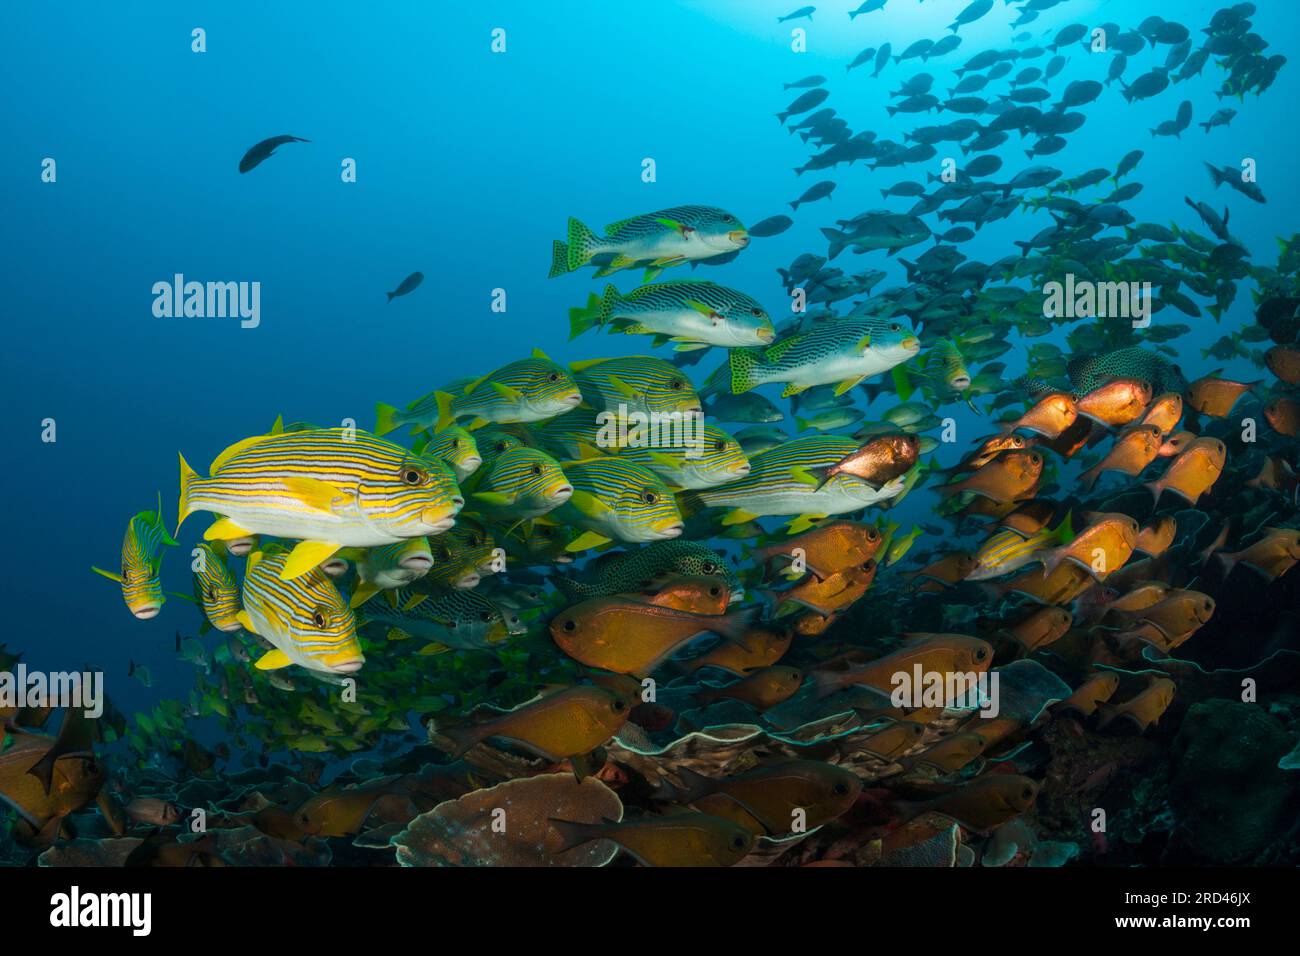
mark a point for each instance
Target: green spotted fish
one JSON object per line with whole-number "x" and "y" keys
{"x": 653, "y": 241}
{"x": 791, "y": 480}
{"x": 691, "y": 313}
{"x": 141, "y": 576}
{"x": 1090, "y": 371}
{"x": 329, "y": 488}
{"x": 844, "y": 351}
{"x": 528, "y": 390}
{"x": 460, "y": 619}
{"x": 617, "y": 500}
{"x": 305, "y": 618}
{"x": 622, "y": 572}
{"x": 637, "y": 384}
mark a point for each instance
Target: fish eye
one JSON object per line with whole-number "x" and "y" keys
{"x": 211, "y": 593}
{"x": 1027, "y": 792}
{"x": 719, "y": 445}
{"x": 708, "y": 567}
{"x": 318, "y": 618}
{"x": 649, "y": 497}
{"x": 840, "y": 789}
{"x": 412, "y": 476}
{"x": 677, "y": 385}
{"x": 895, "y": 327}
{"x": 619, "y": 705}
{"x": 715, "y": 591}
{"x": 728, "y": 218}
{"x": 981, "y": 654}
{"x": 537, "y": 471}
{"x": 872, "y": 534}
{"x": 738, "y": 841}
{"x": 757, "y": 313}
{"x": 570, "y": 625}
{"x": 553, "y": 377}
{"x": 455, "y": 443}
{"x": 485, "y": 616}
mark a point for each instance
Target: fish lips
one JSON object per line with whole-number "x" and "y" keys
{"x": 145, "y": 612}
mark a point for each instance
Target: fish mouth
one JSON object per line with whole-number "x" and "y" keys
{"x": 765, "y": 334}
{"x": 348, "y": 667}
{"x": 147, "y": 612}
{"x": 437, "y": 525}
{"x": 740, "y": 237}
{"x": 335, "y": 567}
{"x": 573, "y": 398}
{"x": 672, "y": 531}
{"x": 471, "y": 463}
{"x": 911, "y": 344}
{"x": 467, "y": 580}
{"x": 561, "y": 494}
{"x": 740, "y": 471}
{"x": 417, "y": 562}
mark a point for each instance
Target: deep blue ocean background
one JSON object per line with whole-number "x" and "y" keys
{"x": 469, "y": 163}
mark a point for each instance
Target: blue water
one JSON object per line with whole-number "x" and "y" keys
{"x": 468, "y": 164}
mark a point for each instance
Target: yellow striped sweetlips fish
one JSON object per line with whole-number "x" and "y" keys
{"x": 790, "y": 480}
{"x": 328, "y": 488}
{"x": 454, "y": 445}
{"x": 519, "y": 483}
{"x": 618, "y": 500}
{"x": 710, "y": 458}
{"x": 639, "y": 383}
{"x": 390, "y": 566}
{"x": 305, "y": 618}
{"x": 216, "y": 590}
{"x": 142, "y": 563}
{"x": 529, "y": 390}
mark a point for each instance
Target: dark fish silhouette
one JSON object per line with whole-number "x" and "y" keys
{"x": 408, "y": 285}
{"x": 265, "y": 149}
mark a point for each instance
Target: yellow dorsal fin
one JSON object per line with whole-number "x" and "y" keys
{"x": 234, "y": 450}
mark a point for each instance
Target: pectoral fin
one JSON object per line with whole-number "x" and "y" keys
{"x": 318, "y": 494}
{"x": 223, "y": 529}
{"x": 588, "y": 539}
{"x": 273, "y": 660}
{"x": 305, "y": 556}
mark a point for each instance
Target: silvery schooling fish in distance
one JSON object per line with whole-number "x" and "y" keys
{"x": 408, "y": 285}
{"x": 265, "y": 149}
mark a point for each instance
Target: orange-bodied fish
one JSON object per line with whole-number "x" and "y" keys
{"x": 564, "y": 723}
{"x": 989, "y": 449}
{"x": 772, "y": 800}
{"x": 1283, "y": 415}
{"x": 1049, "y": 416}
{"x": 761, "y": 646}
{"x": 694, "y": 593}
{"x": 679, "y": 839}
{"x": 761, "y": 690}
{"x": 1135, "y": 447}
{"x": 983, "y": 804}
{"x": 948, "y": 755}
{"x": 1040, "y": 628}
{"x": 827, "y": 595}
{"x": 1091, "y": 694}
{"x": 1176, "y": 444}
{"x": 1144, "y": 709}
{"x": 1165, "y": 412}
{"x": 880, "y": 460}
{"x": 1284, "y": 362}
{"x": 1178, "y": 615}
{"x": 1012, "y": 476}
{"x": 1030, "y": 517}
{"x": 1276, "y": 474}
{"x": 1156, "y": 537}
{"x": 895, "y": 740}
{"x": 1194, "y": 471}
{"x": 824, "y": 550}
{"x": 627, "y": 637}
{"x": 1062, "y": 585}
{"x": 1216, "y": 396}
{"x": 1116, "y": 403}
{"x": 1100, "y": 549}
{"x": 1272, "y": 555}
{"x": 942, "y": 654}
{"x": 1073, "y": 438}
{"x": 949, "y": 569}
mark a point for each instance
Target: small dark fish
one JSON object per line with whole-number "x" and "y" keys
{"x": 409, "y": 285}
{"x": 771, "y": 226}
{"x": 265, "y": 149}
